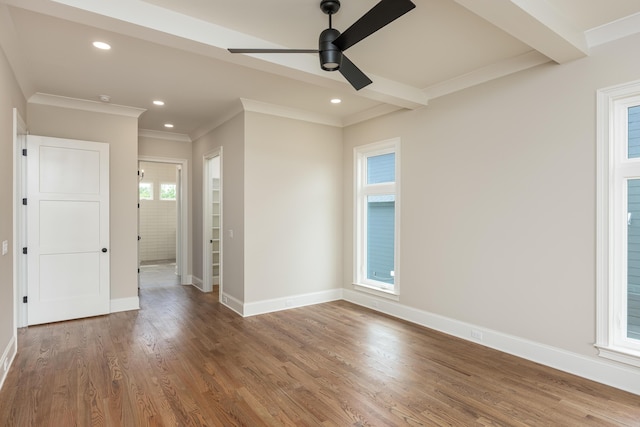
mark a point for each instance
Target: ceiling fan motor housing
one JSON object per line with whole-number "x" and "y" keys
{"x": 332, "y": 44}
{"x": 330, "y": 55}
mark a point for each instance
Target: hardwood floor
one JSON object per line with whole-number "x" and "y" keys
{"x": 185, "y": 360}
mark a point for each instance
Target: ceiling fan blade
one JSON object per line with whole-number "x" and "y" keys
{"x": 273, "y": 50}
{"x": 380, "y": 15}
{"x": 353, "y": 74}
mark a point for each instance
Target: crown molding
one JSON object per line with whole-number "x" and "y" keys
{"x": 482, "y": 75}
{"x": 612, "y": 31}
{"x": 371, "y": 113}
{"x": 168, "y": 136}
{"x": 290, "y": 113}
{"x": 85, "y": 105}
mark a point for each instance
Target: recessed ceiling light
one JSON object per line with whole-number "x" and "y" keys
{"x": 168, "y": 125}
{"x": 336, "y": 101}
{"x": 102, "y": 45}
{"x": 158, "y": 102}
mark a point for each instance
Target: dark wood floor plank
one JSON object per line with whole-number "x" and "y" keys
{"x": 186, "y": 360}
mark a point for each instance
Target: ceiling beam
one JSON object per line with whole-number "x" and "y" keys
{"x": 536, "y": 23}
{"x": 149, "y": 22}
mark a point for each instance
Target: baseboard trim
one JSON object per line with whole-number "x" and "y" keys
{"x": 612, "y": 374}
{"x": 232, "y": 303}
{"x": 188, "y": 279}
{"x": 124, "y": 304}
{"x": 8, "y": 356}
{"x": 277, "y": 304}
{"x": 197, "y": 283}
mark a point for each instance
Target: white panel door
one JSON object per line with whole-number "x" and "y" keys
{"x": 67, "y": 229}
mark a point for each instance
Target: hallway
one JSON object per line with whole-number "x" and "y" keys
{"x": 155, "y": 274}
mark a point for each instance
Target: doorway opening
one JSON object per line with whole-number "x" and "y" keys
{"x": 162, "y": 223}
{"x": 212, "y": 224}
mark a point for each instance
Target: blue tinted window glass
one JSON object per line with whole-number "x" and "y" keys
{"x": 634, "y": 132}
{"x": 381, "y": 168}
{"x": 380, "y": 238}
{"x": 633, "y": 258}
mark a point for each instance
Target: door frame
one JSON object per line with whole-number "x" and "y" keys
{"x": 19, "y": 220}
{"x": 207, "y": 252}
{"x": 182, "y": 230}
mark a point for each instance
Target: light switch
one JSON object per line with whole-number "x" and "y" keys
{"x": 5, "y": 247}
{"x": 231, "y": 234}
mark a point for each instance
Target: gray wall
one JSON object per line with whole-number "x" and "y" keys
{"x": 498, "y": 199}
{"x": 230, "y": 136}
{"x": 10, "y": 97}
{"x": 121, "y": 133}
{"x": 293, "y": 207}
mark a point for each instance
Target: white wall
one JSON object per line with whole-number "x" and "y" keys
{"x": 498, "y": 200}
{"x": 158, "y": 217}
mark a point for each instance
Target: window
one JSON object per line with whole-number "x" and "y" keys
{"x": 376, "y": 217}
{"x": 167, "y": 191}
{"x": 618, "y": 246}
{"x": 145, "y": 190}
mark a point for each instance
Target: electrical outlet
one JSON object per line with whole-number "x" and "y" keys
{"x": 476, "y": 334}
{"x": 6, "y": 365}
{"x": 289, "y": 303}
{"x": 225, "y": 299}
{"x": 5, "y": 247}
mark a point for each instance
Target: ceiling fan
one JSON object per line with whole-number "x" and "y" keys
{"x": 332, "y": 44}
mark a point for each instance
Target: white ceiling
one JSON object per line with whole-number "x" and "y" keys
{"x": 176, "y": 51}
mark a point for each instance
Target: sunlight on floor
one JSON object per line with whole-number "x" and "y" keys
{"x": 158, "y": 274}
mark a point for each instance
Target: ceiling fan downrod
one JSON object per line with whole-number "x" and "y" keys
{"x": 330, "y": 55}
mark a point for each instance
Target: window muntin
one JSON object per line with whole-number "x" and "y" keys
{"x": 376, "y": 217}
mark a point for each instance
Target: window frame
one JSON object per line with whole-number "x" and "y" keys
{"x": 361, "y": 192}
{"x": 614, "y": 170}
{"x": 150, "y": 184}
{"x": 175, "y": 191}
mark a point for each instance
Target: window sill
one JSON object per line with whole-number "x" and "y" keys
{"x": 376, "y": 291}
{"x": 623, "y": 355}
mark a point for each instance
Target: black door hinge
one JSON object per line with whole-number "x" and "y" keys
{"x": 24, "y": 300}
{"x": 24, "y": 201}
{"x": 24, "y": 151}
{"x": 24, "y": 251}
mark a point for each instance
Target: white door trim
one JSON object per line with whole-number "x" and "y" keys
{"x": 185, "y": 238}
{"x": 19, "y": 221}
